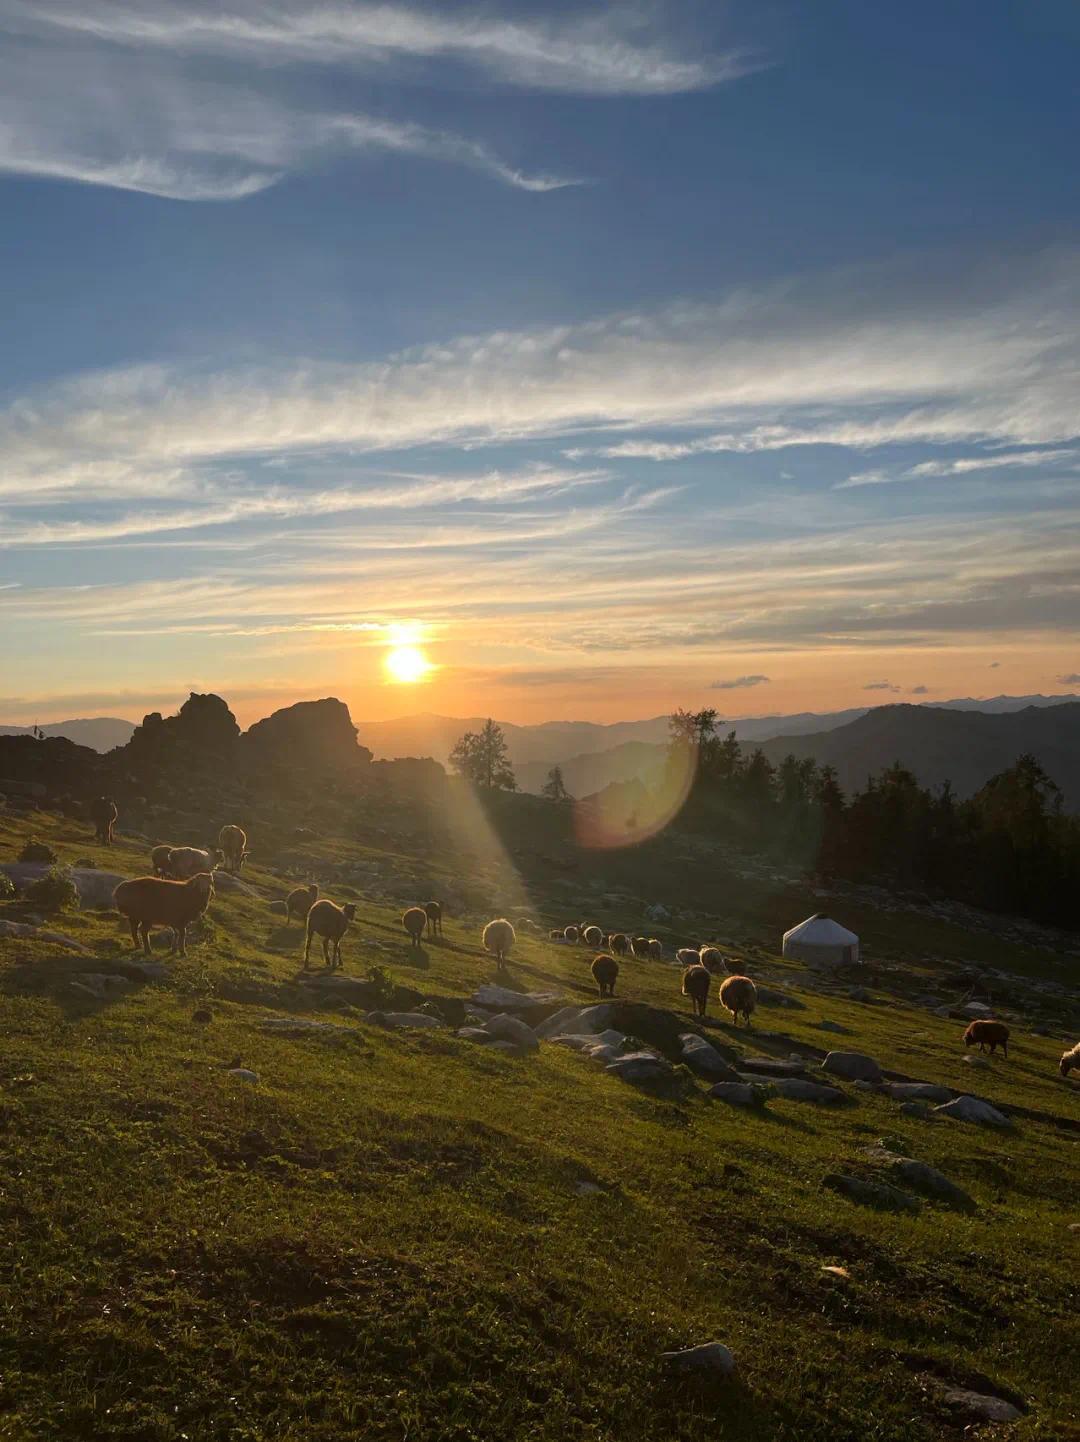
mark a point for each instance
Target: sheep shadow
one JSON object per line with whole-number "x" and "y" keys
{"x": 414, "y": 958}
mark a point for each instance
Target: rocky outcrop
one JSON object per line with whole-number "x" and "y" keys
{"x": 311, "y": 734}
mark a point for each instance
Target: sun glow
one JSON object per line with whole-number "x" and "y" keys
{"x": 406, "y": 665}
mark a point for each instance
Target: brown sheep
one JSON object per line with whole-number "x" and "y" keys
{"x": 605, "y": 972}
{"x": 592, "y": 936}
{"x": 640, "y": 946}
{"x": 232, "y": 841}
{"x": 712, "y": 960}
{"x": 738, "y": 994}
{"x": 433, "y": 912}
{"x": 300, "y": 901}
{"x": 556, "y": 934}
{"x": 1069, "y": 1060}
{"x": 103, "y": 814}
{"x": 695, "y": 984}
{"x": 619, "y": 943}
{"x": 570, "y": 933}
{"x": 688, "y": 956}
{"x": 656, "y": 948}
{"x": 159, "y": 860}
{"x": 152, "y": 901}
{"x": 990, "y": 1034}
{"x": 187, "y": 861}
{"x": 329, "y": 923}
{"x": 414, "y": 921}
{"x": 499, "y": 938}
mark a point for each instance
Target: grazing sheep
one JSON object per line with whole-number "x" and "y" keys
{"x": 990, "y": 1034}
{"x": 687, "y": 956}
{"x": 695, "y": 984}
{"x": 159, "y": 860}
{"x": 712, "y": 960}
{"x": 415, "y": 921}
{"x": 499, "y": 938}
{"x": 570, "y": 934}
{"x": 187, "y": 861}
{"x": 103, "y": 814}
{"x": 592, "y": 936}
{"x": 619, "y": 943}
{"x": 153, "y": 901}
{"x": 556, "y": 934}
{"x": 656, "y": 948}
{"x": 738, "y": 994}
{"x": 329, "y": 923}
{"x": 1069, "y": 1060}
{"x": 640, "y": 946}
{"x": 232, "y": 841}
{"x": 300, "y": 901}
{"x": 605, "y": 972}
{"x": 433, "y": 912}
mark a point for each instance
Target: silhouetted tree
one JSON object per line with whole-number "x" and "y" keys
{"x": 554, "y": 788}
{"x": 483, "y": 758}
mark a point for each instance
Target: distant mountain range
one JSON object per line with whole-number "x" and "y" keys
{"x": 100, "y": 733}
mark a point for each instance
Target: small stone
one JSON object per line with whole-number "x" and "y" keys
{"x": 918, "y": 1092}
{"x": 872, "y": 1194}
{"x": 587, "y": 1189}
{"x": 772, "y": 1066}
{"x": 971, "y": 1109}
{"x": 242, "y": 1073}
{"x": 739, "y": 1094}
{"x": 700, "y": 1056}
{"x": 838, "y": 1272}
{"x": 980, "y": 1406}
{"x": 795, "y": 1089}
{"x": 400, "y": 1020}
{"x": 709, "y": 1357}
{"x": 853, "y": 1065}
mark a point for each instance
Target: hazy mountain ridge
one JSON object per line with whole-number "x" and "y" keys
{"x": 100, "y": 733}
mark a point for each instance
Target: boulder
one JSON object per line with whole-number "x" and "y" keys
{"x": 400, "y": 1020}
{"x": 920, "y": 1178}
{"x": 971, "y": 1109}
{"x": 700, "y": 1056}
{"x": 772, "y": 1066}
{"x": 853, "y": 1065}
{"x": 870, "y": 1194}
{"x": 918, "y": 1092}
{"x": 638, "y": 1066}
{"x": 737, "y": 1094}
{"x": 505, "y": 1027}
{"x": 709, "y": 1357}
{"x": 795, "y": 1089}
{"x": 575, "y": 1020}
{"x": 505, "y": 999}
{"x": 979, "y": 1406}
{"x": 54, "y": 938}
{"x": 100, "y": 986}
{"x": 243, "y": 1073}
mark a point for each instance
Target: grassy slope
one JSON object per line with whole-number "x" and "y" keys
{"x": 384, "y": 1237}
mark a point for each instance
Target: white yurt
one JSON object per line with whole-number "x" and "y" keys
{"x": 820, "y": 941}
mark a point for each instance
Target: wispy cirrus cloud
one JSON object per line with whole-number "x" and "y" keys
{"x": 617, "y": 50}
{"x": 962, "y": 466}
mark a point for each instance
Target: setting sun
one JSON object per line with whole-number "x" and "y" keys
{"x": 406, "y": 664}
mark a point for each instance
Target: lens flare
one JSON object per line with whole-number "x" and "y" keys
{"x": 406, "y": 665}
{"x": 623, "y": 815}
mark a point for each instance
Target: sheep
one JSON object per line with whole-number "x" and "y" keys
{"x": 329, "y": 923}
{"x": 159, "y": 860}
{"x": 300, "y": 901}
{"x": 103, "y": 814}
{"x": 990, "y": 1034}
{"x": 433, "y": 913}
{"x": 687, "y": 956}
{"x": 640, "y": 946}
{"x": 187, "y": 861}
{"x": 605, "y": 972}
{"x": 592, "y": 936}
{"x": 556, "y": 934}
{"x": 499, "y": 938}
{"x": 415, "y": 921}
{"x": 570, "y": 934}
{"x": 695, "y": 984}
{"x": 153, "y": 901}
{"x": 656, "y": 948}
{"x": 1069, "y": 1060}
{"x": 619, "y": 943}
{"x": 712, "y": 960}
{"x": 738, "y": 994}
{"x": 232, "y": 841}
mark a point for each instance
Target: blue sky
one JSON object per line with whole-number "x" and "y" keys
{"x": 611, "y": 354}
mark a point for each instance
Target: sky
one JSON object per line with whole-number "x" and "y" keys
{"x": 611, "y": 357}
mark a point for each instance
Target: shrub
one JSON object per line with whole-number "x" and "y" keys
{"x": 382, "y": 984}
{"x": 7, "y": 887}
{"x": 53, "y": 891}
{"x": 38, "y": 851}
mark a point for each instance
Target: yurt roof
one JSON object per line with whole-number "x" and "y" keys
{"x": 821, "y": 930}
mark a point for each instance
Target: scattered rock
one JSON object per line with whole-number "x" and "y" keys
{"x": 739, "y": 1094}
{"x": 587, "y": 1189}
{"x": 919, "y": 1110}
{"x": 55, "y": 938}
{"x": 975, "y": 1061}
{"x": 918, "y": 1092}
{"x": 870, "y": 1194}
{"x": 100, "y": 986}
{"x": 401, "y": 1020}
{"x": 921, "y": 1178}
{"x": 796, "y": 1089}
{"x": 243, "y": 1073}
{"x": 971, "y": 1109}
{"x": 489, "y": 995}
{"x": 977, "y": 1008}
{"x": 834, "y": 1026}
{"x": 772, "y": 1066}
{"x": 505, "y": 1027}
{"x": 853, "y": 1065}
{"x": 708, "y": 1357}
{"x": 979, "y": 1406}
{"x": 700, "y": 1056}
{"x": 638, "y": 1066}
